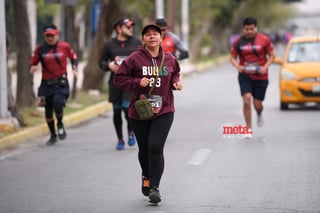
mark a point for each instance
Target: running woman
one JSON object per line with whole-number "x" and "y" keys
{"x": 138, "y": 73}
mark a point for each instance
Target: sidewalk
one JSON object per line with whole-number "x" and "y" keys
{"x": 27, "y": 134}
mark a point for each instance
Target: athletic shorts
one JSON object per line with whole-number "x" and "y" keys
{"x": 256, "y": 87}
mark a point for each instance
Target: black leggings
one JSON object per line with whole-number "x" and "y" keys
{"x": 117, "y": 121}
{"x": 151, "y": 136}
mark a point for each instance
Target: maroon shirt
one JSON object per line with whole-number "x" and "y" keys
{"x": 254, "y": 53}
{"x": 141, "y": 64}
{"x": 53, "y": 59}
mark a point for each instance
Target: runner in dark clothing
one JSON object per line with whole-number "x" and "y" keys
{"x": 138, "y": 73}
{"x": 114, "y": 52}
{"x": 54, "y": 88}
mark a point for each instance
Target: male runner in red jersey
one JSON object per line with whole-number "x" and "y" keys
{"x": 171, "y": 42}
{"x": 54, "y": 87}
{"x": 251, "y": 55}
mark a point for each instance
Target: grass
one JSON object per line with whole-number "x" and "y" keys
{"x": 35, "y": 115}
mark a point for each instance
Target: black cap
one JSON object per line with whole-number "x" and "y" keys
{"x": 161, "y": 22}
{"x": 123, "y": 21}
{"x": 150, "y": 27}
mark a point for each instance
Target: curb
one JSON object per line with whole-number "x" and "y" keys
{"x": 11, "y": 141}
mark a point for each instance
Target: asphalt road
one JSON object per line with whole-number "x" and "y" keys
{"x": 276, "y": 171}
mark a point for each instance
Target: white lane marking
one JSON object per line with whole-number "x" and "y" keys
{"x": 198, "y": 157}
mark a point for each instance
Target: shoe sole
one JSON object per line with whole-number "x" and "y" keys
{"x": 154, "y": 198}
{"x": 120, "y": 147}
{"x": 51, "y": 143}
{"x": 62, "y": 137}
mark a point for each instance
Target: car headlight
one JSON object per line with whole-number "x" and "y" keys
{"x": 288, "y": 75}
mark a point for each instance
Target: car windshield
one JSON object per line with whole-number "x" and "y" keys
{"x": 304, "y": 52}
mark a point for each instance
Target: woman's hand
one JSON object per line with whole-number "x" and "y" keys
{"x": 177, "y": 85}
{"x": 144, "y": 82}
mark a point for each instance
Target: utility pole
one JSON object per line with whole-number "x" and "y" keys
{"x": 7, "y": 123}
{"x": 3, "y": 64}
{"x": 159, "y": 8}
{"x": 185, "y": 22}
{"x": 62, "y": 26}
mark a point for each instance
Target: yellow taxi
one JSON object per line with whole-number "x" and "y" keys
{"x": 300, "y": 71}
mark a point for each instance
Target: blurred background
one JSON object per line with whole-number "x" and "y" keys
{"x": 207, "y": 27}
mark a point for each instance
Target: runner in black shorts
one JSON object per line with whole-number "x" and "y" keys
{"x": 257, "y": 88}
{"x": 251, "y": 55}
{"x": 53, "y": 92}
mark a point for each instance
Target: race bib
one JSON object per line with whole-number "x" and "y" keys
{"x": 156, "y": 103}
{"x": 119, "y": 59}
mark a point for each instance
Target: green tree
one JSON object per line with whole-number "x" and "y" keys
{"x": 212, "y": 22}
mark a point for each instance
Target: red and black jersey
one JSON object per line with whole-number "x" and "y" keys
{"x": 53, "y": 59}
{"x": 171, "y": 43}
{"x": 253, "y": 51}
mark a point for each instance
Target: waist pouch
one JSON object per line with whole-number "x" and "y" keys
{"x": 144, "y": 109}
{"x": 56, "y": 82}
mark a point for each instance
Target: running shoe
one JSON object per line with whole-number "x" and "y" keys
{"x": 145, "y": 186}
{"x": 260, "y": 120}
{"x": 52, "y": 140}
{"x": 154, "y": 195}
{"x": 61, "y": 132}
{"x": 132, "y": 139}
{"x": 120, "y": 145}
{"x": 248, "y": 135}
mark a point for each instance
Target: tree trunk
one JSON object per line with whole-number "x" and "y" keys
{"x": 195, "y": 46}
{"x": 171, "y": 12}
{"x": 239, "y": 14}
{"x": 220, "y": 41}
{"x": 72, "y": 36}
{"x": 25, "y": 93}
{"x": 11, "y": 102}
{"x": 110, "y": 12}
